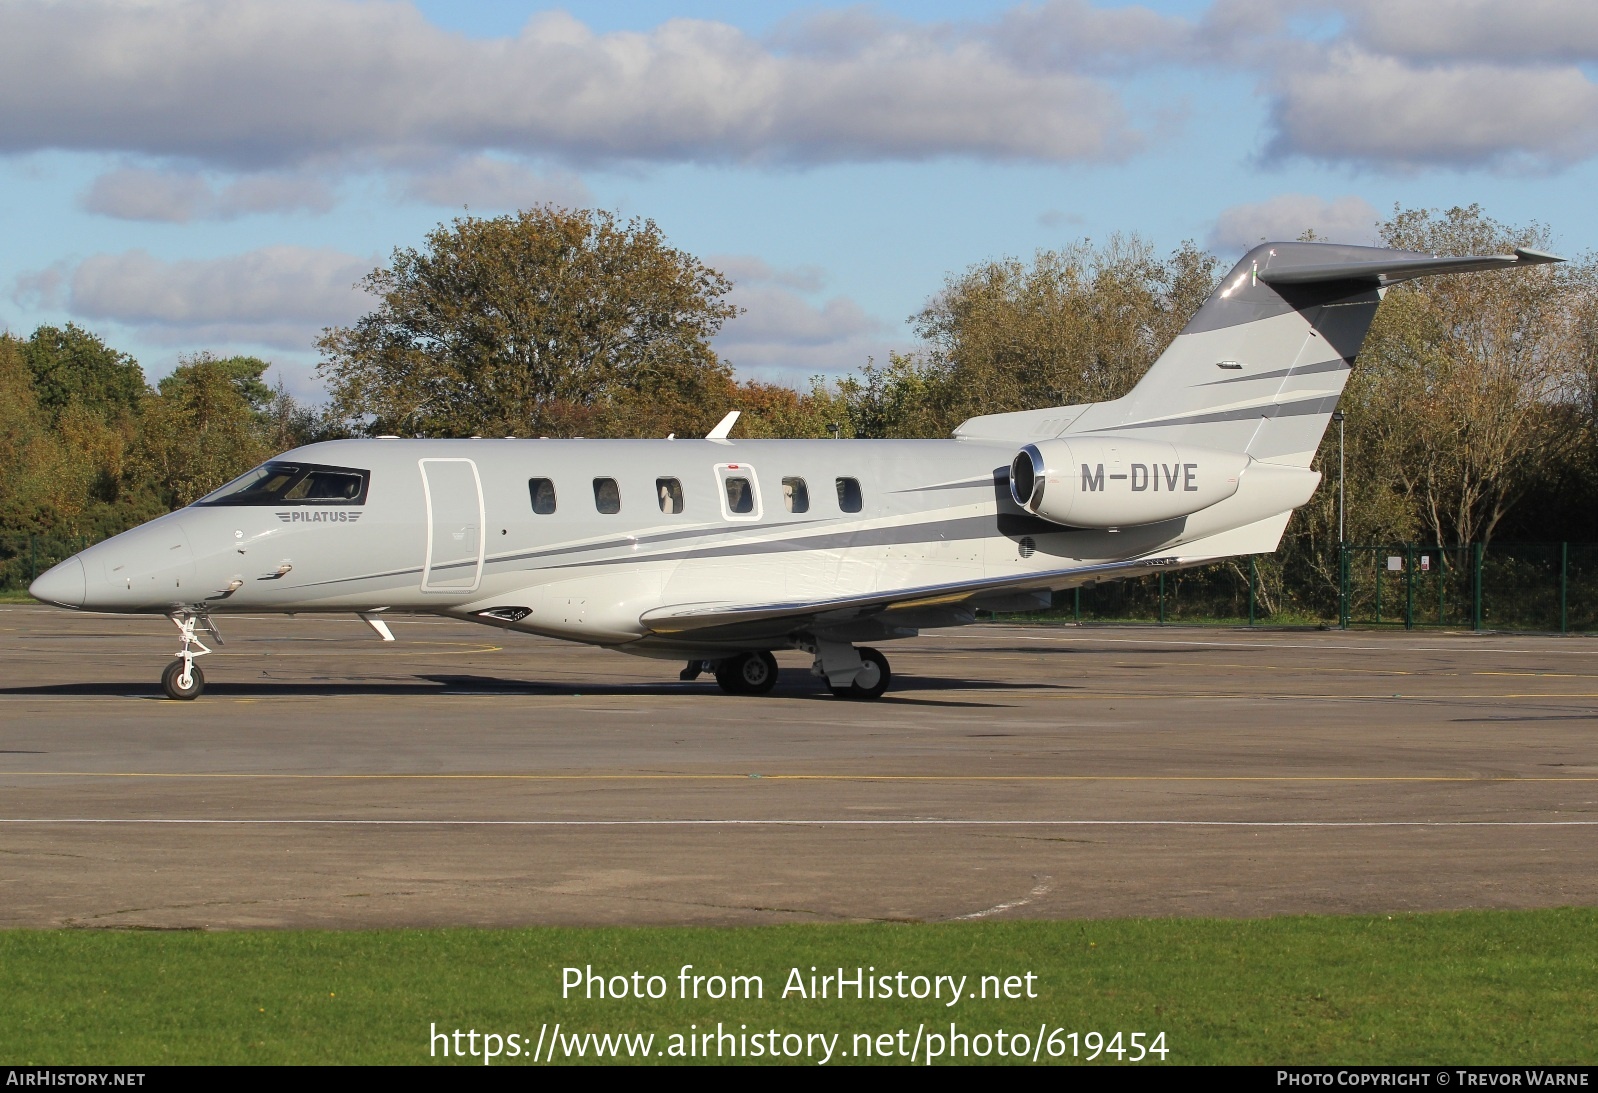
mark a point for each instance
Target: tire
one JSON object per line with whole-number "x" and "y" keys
{"x": 174, "y": 672}
{"x": 873, "y": 664}
{"x": 748, "y": 673}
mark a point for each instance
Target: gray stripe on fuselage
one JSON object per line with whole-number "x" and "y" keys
{"x": 650, "y": 539}
{"x": 968, "y": 527}
{"x": 966, "y": 484}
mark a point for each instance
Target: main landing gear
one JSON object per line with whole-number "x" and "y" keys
{"x": 747, "y": 673}
{"x": 182, "y": 679}
{"x": 849, "y": 672}
{"x": 870, "y": 681}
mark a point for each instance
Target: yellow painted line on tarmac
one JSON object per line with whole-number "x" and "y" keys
{"x": 1255, "y": 695}
{"x": 748, "y": 777}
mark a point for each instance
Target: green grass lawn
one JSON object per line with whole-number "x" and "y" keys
{"x": 1476, "y": 987}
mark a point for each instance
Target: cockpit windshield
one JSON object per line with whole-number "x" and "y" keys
{"x": 293, "y": 484}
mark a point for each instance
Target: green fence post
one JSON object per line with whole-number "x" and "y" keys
{"x": 1381, "y": 563}
{"x": 1409, "y": 586}
{"x": 1564, "y": 584}
{"x": 1342, "y": 586}
{"x": 1162, "y": 599}
{"x": 33, "y": 561}
{"x": 1253, "y": 580}
{"x": 1076, "y": 610}
{"x": 1476, "y": 589}
{"x": 1442, "y": 583}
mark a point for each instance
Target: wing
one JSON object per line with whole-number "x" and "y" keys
{"x": 724, "y": 621}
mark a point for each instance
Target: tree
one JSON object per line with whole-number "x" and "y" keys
{"x": 201, "y": 429}
{"x": 1468, "y": 381}
{"x": 1078, "y": 325}
{"x": 71, "y": 366}
{"x": 546, "y": 322}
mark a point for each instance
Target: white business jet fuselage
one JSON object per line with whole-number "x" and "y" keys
{"x": 718, "y": 551}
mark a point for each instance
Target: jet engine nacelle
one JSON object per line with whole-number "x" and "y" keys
{"x": 1111, "y": 482}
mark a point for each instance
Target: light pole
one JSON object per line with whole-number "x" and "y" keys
{"x": 1337, "y": 416}
{"x": 1342, "y": 535}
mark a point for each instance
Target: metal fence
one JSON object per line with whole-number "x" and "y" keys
{"x": 1504, "y": 586}
{"x": 1546, "y": 587}
{"x": 24, "y": 557}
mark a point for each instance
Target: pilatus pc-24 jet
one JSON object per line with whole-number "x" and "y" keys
{"x": 718, "y": 551}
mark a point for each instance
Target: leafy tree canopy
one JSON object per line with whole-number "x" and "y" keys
{"x": 71, "y": 366}
{"x": 551, "y": 321}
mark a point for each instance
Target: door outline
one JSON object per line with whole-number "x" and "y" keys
{"x": 725, "y": 471}
{"x": 482, "y": 539}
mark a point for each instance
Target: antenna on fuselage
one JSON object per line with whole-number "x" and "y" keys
{"x": 724, "y": 426}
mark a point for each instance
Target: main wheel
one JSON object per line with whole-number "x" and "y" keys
{"x": 748, "y": 673}
{"x": 171, "y": 681}
{"x": 873, "y": 679}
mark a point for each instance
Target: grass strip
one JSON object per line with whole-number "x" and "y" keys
{"x": 1470, "y": 987}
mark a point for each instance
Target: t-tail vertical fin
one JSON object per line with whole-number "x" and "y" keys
{"x": 1259, "y": 369}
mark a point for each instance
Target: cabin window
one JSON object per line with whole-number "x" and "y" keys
{"x": 607, "y": 496}
{"x": 849, "y": 495}
{"x": 740, "y": 496}
{"x": 293, "y": 484}
{"x": 541, "y": 491}
{"x": 795, "y": 495}
{"x": 669, "y": 491}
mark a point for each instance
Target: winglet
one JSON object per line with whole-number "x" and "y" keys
{"x": 724, "y": 426}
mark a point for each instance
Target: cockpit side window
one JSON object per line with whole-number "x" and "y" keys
{"x": 294, "y": 484}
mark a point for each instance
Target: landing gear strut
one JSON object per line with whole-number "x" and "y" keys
{"x": 870, "y": 682}
{"x": 747, "y": 673}
{"x": 182, "y": 680}
{"x": 850, "y": 672}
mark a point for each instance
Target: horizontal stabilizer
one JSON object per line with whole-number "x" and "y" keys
{"x": 1402, "y": 267}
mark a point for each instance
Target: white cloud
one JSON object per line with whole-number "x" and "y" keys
{"x": 1482, "y": 30}
{"x": 785, "y": 337}
{"x": 278, "y": 296}
{"x": 179, "y": 196}
{"x": 1366, "y": 108}
{"x": 487, "y": 182}
{"x": 1347, "y": 219}
{"x": 271, "y": 82}
{"x": 1074, "y": 35}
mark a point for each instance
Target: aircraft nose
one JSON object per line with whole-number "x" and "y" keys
{"x": 62, "y": 584}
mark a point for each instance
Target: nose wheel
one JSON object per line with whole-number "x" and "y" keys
{"x": 182, "y": 680}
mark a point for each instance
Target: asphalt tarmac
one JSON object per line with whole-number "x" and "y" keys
{"x": 463, "y": 775}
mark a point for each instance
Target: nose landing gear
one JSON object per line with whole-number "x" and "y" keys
{"x": 182, "y": 680}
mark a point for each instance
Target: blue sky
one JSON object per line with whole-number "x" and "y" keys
{"x": 188, "y": 176}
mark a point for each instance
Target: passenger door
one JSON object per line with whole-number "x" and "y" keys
{"x": 454, "y": 497}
